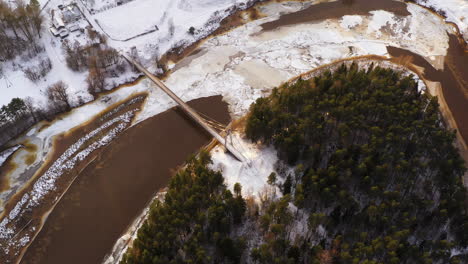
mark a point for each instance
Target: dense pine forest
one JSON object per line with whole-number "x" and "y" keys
{"x": 377, "y": 180}
{"x": 194, "y": 222}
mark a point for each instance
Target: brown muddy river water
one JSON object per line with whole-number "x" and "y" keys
{"x": 454, "y": 79}
{"x": 115, "y": 188}
{"x": 337, "y": 9}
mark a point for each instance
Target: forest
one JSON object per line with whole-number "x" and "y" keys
{"x": 194, "y": 222}
{"x": 377, "y": 180}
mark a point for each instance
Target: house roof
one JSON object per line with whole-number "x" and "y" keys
{"x": 73, "y": 28}
{"x": 54, "y": 31}
{"x": 58, "y": 22}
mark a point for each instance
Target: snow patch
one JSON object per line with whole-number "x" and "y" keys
{"x": 252, "y": 174}
{"x": 380, "y": 19}
{"x": 71, "y": 156}
{"x": 456, "y": 11}
{"x": 349, "y": 22}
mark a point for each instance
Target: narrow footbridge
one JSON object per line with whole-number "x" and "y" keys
{"x": 187, "y": 109}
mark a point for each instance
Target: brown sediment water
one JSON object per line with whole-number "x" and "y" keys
{"x": 6, "y": 168}
{"x": 28, "y": 220}
{"x": 63, "y": 141}
{"x": 115, "y": 188}
{"x": 337, "y": 9}
{"x": 454, "y": 79}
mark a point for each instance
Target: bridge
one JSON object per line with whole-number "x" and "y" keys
{"x": 187, "y": 109}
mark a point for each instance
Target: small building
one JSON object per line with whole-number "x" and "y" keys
{"x": 64, "y": 33}
{"x": 58, "y": 22}
{"x": 54, "y": 31}
{"x": 71, "y": 14}
{"x": 73, "y": 28}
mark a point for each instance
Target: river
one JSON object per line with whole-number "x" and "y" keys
{"x": 114, "y": 189}
{"x": 453, "y": 78}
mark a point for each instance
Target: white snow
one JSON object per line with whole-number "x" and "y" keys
{"x": 323, "y": 44}
{"x": 372, "y": 48}
{"x": 380, "y": 19}
{"x": 252, "y": 174}
{"x": 120, "y": 22}
{"x": 173, "y": 19}
{"x": 455, "y": 10}
{"x": 145, "y": 14}
{"x": 245, "y": 64}
{"x": 349, "y": 22}
{"x": 13, "y": 82}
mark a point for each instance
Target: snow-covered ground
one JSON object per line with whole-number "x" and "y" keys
{"x": 456, "y": 11}
{"x": 139, "y": 16}
{"x": 148, "y": 14}
{"x": 13, "y": 82}
{"x": 102, "y": 5}
{"x": 251, "y": 174}
{"x": 349, "y": 22}
{"x": 157, "y": 26}
{"x": 120, "y": 22}
{"x": 145, "y": 14}
{"x": 246, "y": 63}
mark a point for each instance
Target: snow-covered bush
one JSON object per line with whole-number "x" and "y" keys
{"x": 35, "y": 73}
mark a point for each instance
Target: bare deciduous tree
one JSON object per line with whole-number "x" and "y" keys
{"x": 58, "y": 93}
{"x": 29, "y": 103}
{"x": 96, "y": 80}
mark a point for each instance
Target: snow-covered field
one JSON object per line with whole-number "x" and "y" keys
{"x": 13, "y": 82}
{"x": 145, "y": 14}
{"x": 456, "y": 11}
{"x": 157, "y": 26}
{"x": 148, "y": 14}
{"x": 121, "y": 22}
